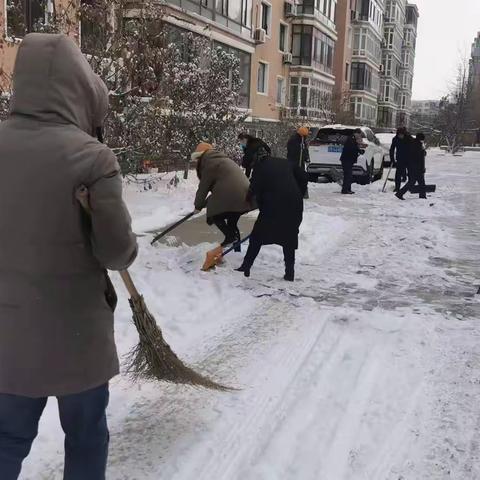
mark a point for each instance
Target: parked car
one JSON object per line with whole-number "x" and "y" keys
{"x": 326, "y": 148}
{"x": 386, "y": 142}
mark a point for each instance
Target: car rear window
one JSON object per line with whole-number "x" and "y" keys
{"x": 335, "y": 136}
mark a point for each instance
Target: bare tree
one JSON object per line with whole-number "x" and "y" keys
{"x": 168, "y": 90}
{"x": 454, "y": 118}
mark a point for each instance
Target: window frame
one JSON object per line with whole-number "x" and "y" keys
{"x": 268, "y": 5}
{"x": 266, "y": 77}
{"x": 286, "y": 39}
{"x": 283, "y": 92}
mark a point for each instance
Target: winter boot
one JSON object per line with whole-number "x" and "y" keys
{"x": 245, "y": 269}
{"x": 399, "y": 196}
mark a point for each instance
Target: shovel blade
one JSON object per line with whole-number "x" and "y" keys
{"x": 214, "y": 257}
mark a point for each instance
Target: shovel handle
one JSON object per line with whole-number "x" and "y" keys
{"x": 173, "y": 227}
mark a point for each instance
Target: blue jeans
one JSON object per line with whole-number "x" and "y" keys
{"x": 83, "y": 419}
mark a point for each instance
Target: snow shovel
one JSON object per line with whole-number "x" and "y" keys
{"x": 215, "y": 256}
{"x": 172, "y": 227}
{"x": 152, "y": 358}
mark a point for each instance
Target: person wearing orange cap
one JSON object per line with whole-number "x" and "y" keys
{"x": 222, "y": 191}
{"x": 297, "y": 149}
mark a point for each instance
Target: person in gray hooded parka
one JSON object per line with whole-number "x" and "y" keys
{"x": 56, "y": 320}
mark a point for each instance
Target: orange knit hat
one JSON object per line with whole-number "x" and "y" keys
{"x": 203, "y": 147}
{"x": 303, "y": 131}
{"x": 200, "y": 150}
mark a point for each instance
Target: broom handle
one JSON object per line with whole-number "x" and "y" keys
{"x": 82, "y": 197}
{"x": 128, "y": 281}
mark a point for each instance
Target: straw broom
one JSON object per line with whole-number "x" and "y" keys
{"x": 152, "y": 358}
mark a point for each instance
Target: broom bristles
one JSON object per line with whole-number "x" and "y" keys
{"x": 153, "y": 359}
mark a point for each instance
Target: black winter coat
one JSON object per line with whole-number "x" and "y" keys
{"x": 297, "y": 151}
{"x": 351, "y": 151}
{"x": 416, "y": 160}
{"x": 256, "y": 149}
{"x": 402, "y": 148}
{"x": 279, "y": 189}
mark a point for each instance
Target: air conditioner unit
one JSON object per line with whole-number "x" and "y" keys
{"x": 260, "y": 35}
{"x": 354, "y": 16}
{"x": 290, "y": 9}
{"x": 382, "y": 68}
{"x": 287, "y": 58}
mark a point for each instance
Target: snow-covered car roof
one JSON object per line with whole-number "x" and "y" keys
{"x": 339, "y": 126}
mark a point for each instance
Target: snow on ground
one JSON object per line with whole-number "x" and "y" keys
{"x": 367, "y": 368}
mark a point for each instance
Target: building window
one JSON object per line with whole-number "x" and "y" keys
{"x": 366, "y": 44}
{"x": 280, "y": 91}
{"x": 347, "y": 72}
{"x": 266, "y": 17}
{"x": 26, "y": 16}
{"x": 245, "y": 61}
{"x": 311, "y": 47}
{"x": 283, "y": 38}
{"x": 222, "y": 7}
{"x": 233, "y": 14}
{"x": 262, "y": 81}
{"x": 388, "y": 37}
{"x": 361, "y": 77}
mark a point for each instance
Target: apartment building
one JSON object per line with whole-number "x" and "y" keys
{"x": 16, "y": 19}
{"x": 301, "y": 58}
{"x": 311, "y": 78}
{"x": 391, "y": 68}
{"x": 366, "y": 61}
{"x": 346, "y": 12}
{"x": 474, "y": 79}
{"x": 427, "y": 109}
{"x": 408, "y": 64}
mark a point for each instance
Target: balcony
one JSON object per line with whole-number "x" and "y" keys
{"x": 326, "y": 17}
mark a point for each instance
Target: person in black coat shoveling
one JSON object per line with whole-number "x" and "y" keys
{"x": 399, "y": 155}
{"x": 415, "y": 168}
{"x": 278, "y": 189}
{"x": 351, "y": 152}
{"x": 254, "y": 149}
{"x": 297, "y": 150}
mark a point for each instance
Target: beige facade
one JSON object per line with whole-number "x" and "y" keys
{"x": 14, "y": 25}
{"x": 255, "y": 31}
{"x": 285, "y": 47}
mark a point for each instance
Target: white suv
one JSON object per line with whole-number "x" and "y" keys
{"x": 326, "y": 149}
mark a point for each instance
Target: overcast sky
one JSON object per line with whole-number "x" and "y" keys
{"x": 446, "y": 29}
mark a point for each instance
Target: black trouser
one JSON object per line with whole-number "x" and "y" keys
{"x": 414, "y": 178}
{"x": 347, "y": 177}
{"x": 227, "y": 224}
{"x": 254, "y": 248}
{"x": 400, "y": 176}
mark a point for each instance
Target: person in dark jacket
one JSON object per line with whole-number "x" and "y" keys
{"x": 399, "y": 154}
{"x": 351, "y": 152}
{"x": 222, "y": 189}
{"x": 297, "y": 150}
{"x": 254, "y": 149}
{"x": 278, "y": 189}
{"x": 415, "y": 167}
